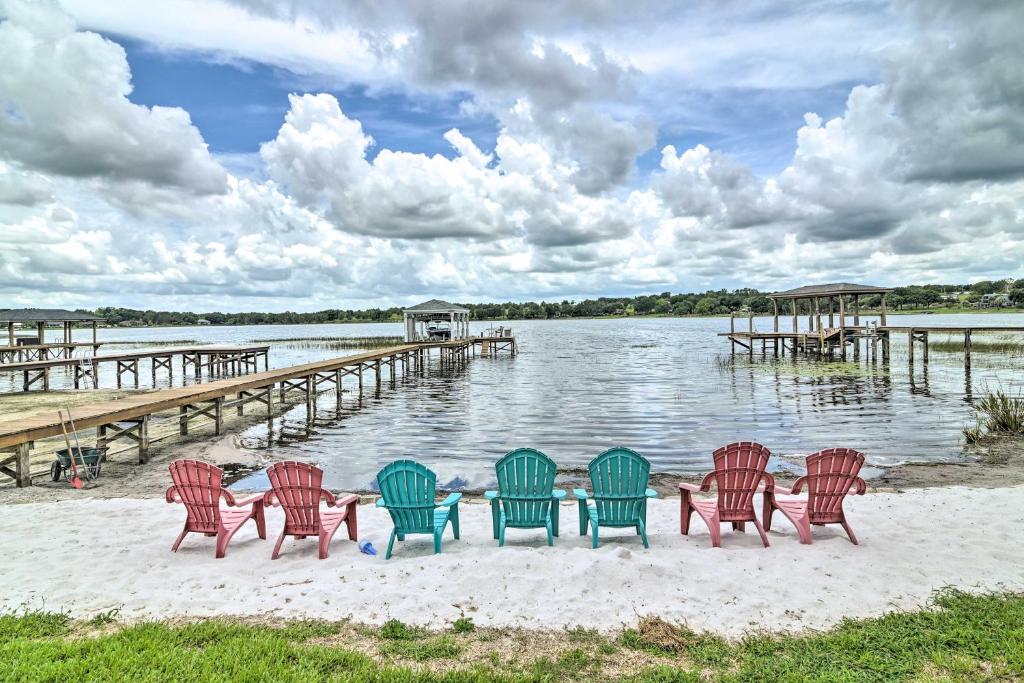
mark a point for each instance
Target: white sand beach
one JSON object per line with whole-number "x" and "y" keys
{"x": 91, "y": 555}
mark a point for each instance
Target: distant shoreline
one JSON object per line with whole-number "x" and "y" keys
{"x": 782, "y": 315}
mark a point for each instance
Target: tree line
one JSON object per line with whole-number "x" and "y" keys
{"x": 711, "y": 302}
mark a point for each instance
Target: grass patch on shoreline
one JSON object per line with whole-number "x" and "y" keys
{"x": 960, "y": 637}
{"x": 1010, "y": 347}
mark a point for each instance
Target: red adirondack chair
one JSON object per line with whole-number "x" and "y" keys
{"x": 739, "y": 471}
{"x": 295, "y": 486}
{"x": 198, "y": 486}
{"x": 831, "y": 474}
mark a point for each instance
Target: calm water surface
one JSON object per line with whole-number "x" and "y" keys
{"x": 666, "y": 387}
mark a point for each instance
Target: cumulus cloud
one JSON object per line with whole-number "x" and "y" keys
{"x": 918, "y": 178}
{"x": 64, "y": 108}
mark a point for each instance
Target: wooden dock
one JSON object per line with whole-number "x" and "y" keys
{"x": 129, "y": 418}
{"x": 27, "y": 352}
{"x": 212, "y": 359}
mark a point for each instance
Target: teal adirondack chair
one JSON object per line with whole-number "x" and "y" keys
{"x": 619, "y": 477}
{"x": 526, "y": 497}
{"x": 407, "y": 490}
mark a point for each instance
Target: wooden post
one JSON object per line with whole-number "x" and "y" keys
{"x": 924, "y": 343}
{"x": 775, "y": 314}
{"x": 218, "y": 415}
{"x": 144, "y": 439}
{"x": 817, "y": 315}
{"x": 41, "y": 332}
{"x": 94, "y": 335}
{"x": 967, "y": 348}
{"x": 183, "y": 420}
{"x": 795, "y": 322}
{"x": 842, "y": 326}
{"x": 376, "y": 372}
{"x": 856, "y": 310}
{"x": 910, "y": 347}
{"x": 831, "y": 307}
{"x": 882, "y": 311}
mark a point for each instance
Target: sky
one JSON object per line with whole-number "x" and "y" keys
{"x": 271, "y": 155}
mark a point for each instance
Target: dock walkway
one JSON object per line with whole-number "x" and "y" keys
{"x": 128, "y": 418}
{"x": 214, "y": 359}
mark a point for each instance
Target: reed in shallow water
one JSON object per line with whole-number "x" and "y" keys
{"x": 1011, "y": 347}
{"x": 334, "y": 343}
{"x": 998, "y": 415}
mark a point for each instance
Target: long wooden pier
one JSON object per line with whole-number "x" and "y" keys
{"x": 214, "y": 359}
{"x": 129, "y": 417}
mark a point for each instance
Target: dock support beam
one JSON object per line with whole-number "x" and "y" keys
{"x": 17, "y": 456}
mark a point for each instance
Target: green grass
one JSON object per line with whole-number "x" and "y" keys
{"x": 334, "y": 343}
{"x": 1010, "y": 347}
{"x": 997, "y": 415}
{"x": 961, "y": 637}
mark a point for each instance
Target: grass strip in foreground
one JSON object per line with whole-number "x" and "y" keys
{"x": 961, "y": 637}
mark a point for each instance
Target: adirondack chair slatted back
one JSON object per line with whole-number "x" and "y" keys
{"x": 297, "y": 487}
{"x": 199, "y": 485}
{"x": 739, "y": 468}
{"x": 526, "y": 478}
{"x": 830, "y": 474}
{"x": 619, "y": 477}
{"x": 408, "y": 489}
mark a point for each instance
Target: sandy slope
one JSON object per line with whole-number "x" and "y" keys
{"x": 91, "y": 555}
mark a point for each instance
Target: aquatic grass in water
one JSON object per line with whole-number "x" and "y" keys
{"x": 1003, "y": 345}
{"x": 334, "y": 343}
{"x": 998, "y": 415}
{"x": 141, "y": 344}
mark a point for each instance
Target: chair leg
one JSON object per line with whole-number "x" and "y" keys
{"x": 453, "y": 517}
{"x": 495, "y": 514}
{"x": 594, "y": 541}
{"x": 501, "y": 532}
{"x": 261, "y": 520}
{"x": 760, "y": 530}
{"x": 437, "y": 540}
{"x": 324, "y": 545}
{"x": 351, "y": 521}
{"x": 642, "y": 528}
{"x": 583, "y": 517}
{"x": 391, "y": 544}
{"x": 849, "y": 532}
{"x": 684, "y": 512}
{"x": 767, "y": 511}
{"x": 277, "y": 547}
{"x": 551, "y": 538}
{"x": 179, "y": 539}
{"x": 554, "y": 517}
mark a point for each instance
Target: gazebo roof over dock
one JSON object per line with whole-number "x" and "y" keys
{"x": 45, "y": 315}
{"x": 834, "y": 289}
{"x": 436, "y": 306}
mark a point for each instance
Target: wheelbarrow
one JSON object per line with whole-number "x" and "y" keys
{"x": 90, "y": 459}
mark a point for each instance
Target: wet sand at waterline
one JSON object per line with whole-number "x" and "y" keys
{"x": 912, "y": 544}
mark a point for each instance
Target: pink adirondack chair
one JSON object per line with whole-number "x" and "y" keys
{"x": 739, "y": 472}
{"x": 198, "y": 486}
{"x": 831, "y": 474}
{"x": 295, "y": 486}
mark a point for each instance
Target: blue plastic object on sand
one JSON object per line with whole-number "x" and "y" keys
{"x": 367, "y": 548}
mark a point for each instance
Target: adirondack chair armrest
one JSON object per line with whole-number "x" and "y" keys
{"x": 329, "y": 497}
{"x": 270, "y": 499}
{"x": 651, "y": 493}
{"x": 705, "y": 484}
{"x": 251, "y": 500}
{"x": 558, "y": 494}
{"x": 580, "y": 494}
{"x": 491, "y": 495}
{"x": 798, "y": 486}
{"x": 768, "y": 481}
{"x": 452, "y": 499}
{"x": 861, "y": 485}
{"x": 172, "y": 495}
{"x": 347, "y": 500}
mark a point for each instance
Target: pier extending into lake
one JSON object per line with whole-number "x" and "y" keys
{"x": 213, "y": 360}
{"x": 128, "y": 418}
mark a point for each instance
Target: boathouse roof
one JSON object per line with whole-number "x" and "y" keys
{"x": 436, "y": 306}
{"x": 44, "y": 315}
{"x": 833, "y": 289}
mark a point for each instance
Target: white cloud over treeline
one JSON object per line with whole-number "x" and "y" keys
{"x": 921, "y": 178}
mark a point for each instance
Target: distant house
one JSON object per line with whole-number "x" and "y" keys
{"x": 994, "y": 301}
{"x": 202, "y": 321}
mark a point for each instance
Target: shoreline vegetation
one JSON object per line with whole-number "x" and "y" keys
{"x": 917, "y": 299}
{"x": 958, "y": 636}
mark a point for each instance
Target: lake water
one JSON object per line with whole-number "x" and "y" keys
{"x": 666, "y": 387}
